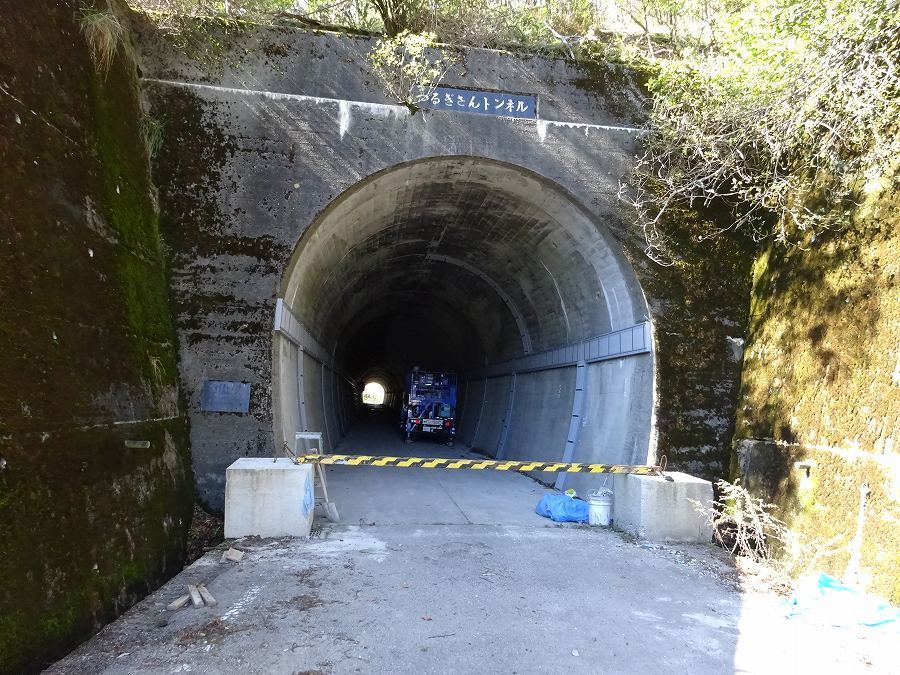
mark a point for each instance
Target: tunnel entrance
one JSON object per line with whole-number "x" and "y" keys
{"x": 480, "y": 268}
{"x": 373, "y": 393}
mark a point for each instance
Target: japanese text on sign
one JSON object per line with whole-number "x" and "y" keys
{"x": 482, "y": 102}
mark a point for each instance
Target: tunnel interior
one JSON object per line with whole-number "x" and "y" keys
{"x": 458, "y": 264}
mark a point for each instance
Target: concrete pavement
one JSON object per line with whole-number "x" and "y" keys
{"x": 469, "y": 599}
{"x": 367, "y": 495}
{"x": 439, "y": 571}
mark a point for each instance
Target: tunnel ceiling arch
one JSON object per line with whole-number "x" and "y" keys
{"x": 484, "y": 259}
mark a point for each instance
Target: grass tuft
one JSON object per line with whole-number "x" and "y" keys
{"x": 104, "y": 33}
{"x": 152, "y": 129}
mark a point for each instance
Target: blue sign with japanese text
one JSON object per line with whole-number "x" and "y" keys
{"x": 482, "y": 102}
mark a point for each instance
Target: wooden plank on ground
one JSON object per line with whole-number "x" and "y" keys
{"x": 206, "y": 595}
{"x": 195, "y": 595}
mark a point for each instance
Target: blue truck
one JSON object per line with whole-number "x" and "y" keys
{"x": 429, "y": 408}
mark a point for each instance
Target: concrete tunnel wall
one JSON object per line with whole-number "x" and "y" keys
{"x": 287, "y": 149}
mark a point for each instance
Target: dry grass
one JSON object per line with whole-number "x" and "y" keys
{"x": 105, "y": 35}
{"x": 744, "y": 524}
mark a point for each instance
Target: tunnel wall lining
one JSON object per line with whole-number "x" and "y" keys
{"x": 472, "y": 410}
{"x": 493, "y": 415}
{"x": 568, "y": 429}
{"x": 524, "y": 335}
{"x": 618, "y": 366}
{"x": 311, "y": 398}
{"x": 541, "y": 436}
{"x": 312, "y": 394}
{"x": 571, "y": 255}
{"x": 613, "y": 345}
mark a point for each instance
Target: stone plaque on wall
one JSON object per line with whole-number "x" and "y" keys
{"x": 228, "y": 397}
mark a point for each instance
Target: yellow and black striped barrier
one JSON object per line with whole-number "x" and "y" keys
{"x": 477, "y": 464}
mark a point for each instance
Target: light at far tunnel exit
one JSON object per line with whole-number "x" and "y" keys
{"x": 373, "y": 394}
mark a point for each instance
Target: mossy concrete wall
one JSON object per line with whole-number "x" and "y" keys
{"x": 700, "y": 308}
{"x": 821, "y": 383}
{"x": 95, "y": 482}
{"x": 268, "y": 126}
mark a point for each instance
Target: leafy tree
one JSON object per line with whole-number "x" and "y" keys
{"x": 398, "y": 16}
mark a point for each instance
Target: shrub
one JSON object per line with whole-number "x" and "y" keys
{"x": 783, "y": 122}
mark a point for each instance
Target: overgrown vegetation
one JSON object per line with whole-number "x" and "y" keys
{"x": 206, "y": 532}
{"x": 104, "y": 33}
{"x": 553, "y": 26}
{"x": 744, "y": 524}
{"x": 777, "y": 113}
{"x": 152, "y": 129}
{"x": 784, "y": 120}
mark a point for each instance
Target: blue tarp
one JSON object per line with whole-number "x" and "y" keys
{"x": 824, "y": 600}
{"x": 562, "y": 508}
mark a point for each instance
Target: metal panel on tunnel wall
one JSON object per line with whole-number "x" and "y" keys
{"x": 540, "y": 416}
{"x": 490, "y": 426}
{"x": 471, "y": 411}
{"x": 312, "y": 388}
{"x": 613, "y": 387}
{"x": 329, "y": 416}
{"x": 287, "y": 416}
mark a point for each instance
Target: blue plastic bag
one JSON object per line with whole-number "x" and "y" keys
{"x": 822, "y": 599}
{"x": 562, "y": 508}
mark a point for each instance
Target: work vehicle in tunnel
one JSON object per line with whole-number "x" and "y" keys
{"x": 430, "y": 405}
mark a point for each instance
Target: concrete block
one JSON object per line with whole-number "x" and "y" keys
{"x": 650, "y": 507}
{"x": 268, "y": 498}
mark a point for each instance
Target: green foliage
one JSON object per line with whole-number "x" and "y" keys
{"x": 410, "y": 66}
{"x": 169, "y": 15}
{"x": 784, "y": 121}
{"x": 360, "y": 15}
{"x": 104, "y": 33}
{"x": 236, "y": 8}
{"x": 780, "y": 111}
{"x": 540, "y": 26}
{"x": 152, "y": 129}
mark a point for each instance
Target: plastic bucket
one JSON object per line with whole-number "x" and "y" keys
{"x": 600, "y": 508}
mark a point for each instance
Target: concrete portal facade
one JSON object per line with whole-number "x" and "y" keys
{"x": 295, "y": 196}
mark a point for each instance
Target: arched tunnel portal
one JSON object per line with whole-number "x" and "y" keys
{"x": 479, "y": 267}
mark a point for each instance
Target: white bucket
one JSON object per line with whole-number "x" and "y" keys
{"x": 600, "y": 510}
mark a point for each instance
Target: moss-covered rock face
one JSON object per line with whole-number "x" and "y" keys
{"x": 699, "y": 307}
{"x": 822, "y": 381}
{"x": 95, "y": 480}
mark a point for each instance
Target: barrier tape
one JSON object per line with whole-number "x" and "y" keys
{"x": 477, "y": 464}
